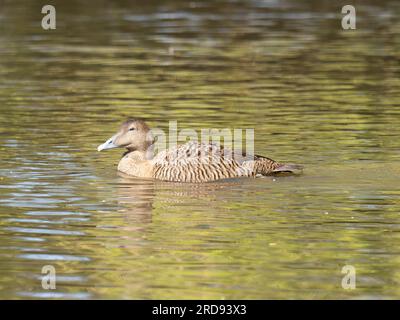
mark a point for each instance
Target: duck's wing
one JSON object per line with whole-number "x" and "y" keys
{"x": 197, "y": 162}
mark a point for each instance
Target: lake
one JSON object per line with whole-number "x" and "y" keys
{"x": 315, "y": 94}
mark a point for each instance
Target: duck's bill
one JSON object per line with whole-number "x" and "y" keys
{"x": 109, "y": 144}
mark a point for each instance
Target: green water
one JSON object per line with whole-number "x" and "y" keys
{"x": 315, "y": 94}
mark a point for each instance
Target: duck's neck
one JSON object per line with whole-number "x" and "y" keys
{"x": 141, "y": 155}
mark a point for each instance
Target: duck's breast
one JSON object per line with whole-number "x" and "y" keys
{"x": 135, "y": 167}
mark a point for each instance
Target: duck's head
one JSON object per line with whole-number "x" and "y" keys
{"x": 134, "y": 134}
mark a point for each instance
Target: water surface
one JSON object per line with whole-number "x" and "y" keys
{"x": 315, "y": 94}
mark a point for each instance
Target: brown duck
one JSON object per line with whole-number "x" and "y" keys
{"x": 190, "y": 162}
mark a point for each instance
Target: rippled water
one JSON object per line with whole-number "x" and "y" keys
{"x": 315, "y": 94}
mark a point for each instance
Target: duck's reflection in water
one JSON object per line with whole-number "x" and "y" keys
{"x": 135, "y": 198}
{"x": 139, "y": 197}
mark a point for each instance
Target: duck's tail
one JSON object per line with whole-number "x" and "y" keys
{"x": 266, "y": 166}
{"x": 289, "y": 167}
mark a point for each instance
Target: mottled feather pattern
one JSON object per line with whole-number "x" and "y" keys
{"x": 200, "y": 162}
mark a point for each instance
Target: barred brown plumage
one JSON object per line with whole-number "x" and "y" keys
{"x": 190, "y": 162}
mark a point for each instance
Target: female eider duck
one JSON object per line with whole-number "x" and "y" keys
{"x": 190, "y": 162}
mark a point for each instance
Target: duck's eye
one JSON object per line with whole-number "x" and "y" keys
{"x": 131, "y": 129}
